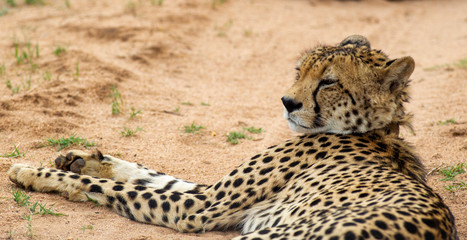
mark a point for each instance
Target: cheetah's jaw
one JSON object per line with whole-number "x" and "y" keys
{"x": 296, "y": 125}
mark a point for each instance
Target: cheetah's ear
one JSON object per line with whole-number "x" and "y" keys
{"x": 356, "y": 41}
{"x": 397, "y": 74}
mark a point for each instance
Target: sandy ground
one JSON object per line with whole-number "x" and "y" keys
{"x": 231, "y": 61}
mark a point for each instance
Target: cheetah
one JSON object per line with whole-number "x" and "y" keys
{"x": 349, "y": 176}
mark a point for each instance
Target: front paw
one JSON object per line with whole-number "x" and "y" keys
{"x": 17, "y": 175}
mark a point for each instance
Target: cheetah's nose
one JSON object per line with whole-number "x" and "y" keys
{"x": 290, "y": 104}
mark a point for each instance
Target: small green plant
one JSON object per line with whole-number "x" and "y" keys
{"x": 12, "y": 3}
{"x": 131, "y": 7}
{"x": 43, "y": 210}
{"x": 37, "y": 50}
{"x": 215, "y": 3}
{"x": 34, "y": 2}
{"x": 117, "y": 101}
{"x": 47, "y": 75}
{"x": 24, "y": 53}
{"x": 67, "y": 4}
{"x": 10, "y": 86}
{"x": 16, "y": 153}
{"x": 128, "y": 132}
{"x": 451, "y": 172}
{"x": 233, "y": 137}
{"x": 3, "y": 11}
{"x": 21, "y": 198}
{"x": 11, "y": 233}
{"x": 187, "y": 103}
{"x": 222, "y": 30}
{"x": 253, "y": 130}
{"x": 205, "y": 104}
{"x": 134, "y": 112}
{"x": 29, "y": 226}
{"x": 461, "y": 63}
{"x": 76, "y": 74}
{"x": 87, "y": 227}
{"x": 27, "y": 83}
{"x": 447, "y": 122}
{"x": 62, "y": 143}
{"x": 247, "y": 32}
{"x": 2, "y": 69}
{"x": 456, "y": 186}
{"x": 193, "y": 128}
{"x": 59, "y": 50}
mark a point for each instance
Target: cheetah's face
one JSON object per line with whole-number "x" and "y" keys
{"x": 348, "y": 88}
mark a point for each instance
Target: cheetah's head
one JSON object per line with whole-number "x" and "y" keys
{"x": 348, "y": 88}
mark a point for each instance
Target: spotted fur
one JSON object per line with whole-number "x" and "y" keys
{"x": 348, "y": 177}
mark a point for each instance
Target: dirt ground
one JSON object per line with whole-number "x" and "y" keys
{"x": 222, "y": 65}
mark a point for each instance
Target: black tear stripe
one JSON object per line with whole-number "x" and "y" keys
{"x": 317, "y": 109}
{"x": 317, "y": 122}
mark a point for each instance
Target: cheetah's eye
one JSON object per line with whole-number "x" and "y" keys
{"x": 298, "y": 74}
{"x": 327, "y": 82}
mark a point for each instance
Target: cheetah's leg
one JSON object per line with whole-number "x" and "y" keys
{"x": 106, "y": 166}
{"x": 140, "y": 203}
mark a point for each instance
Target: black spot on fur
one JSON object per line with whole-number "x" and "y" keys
{"x": 85, "y": 181}
{"x": 237, "y": 182}
{"x": 95, "y": 188}
{"x": 166, "y": 206}
{"x": 188, "y": 203}
{"x": 132, "y": 194}
{"x": 175, "y": 197}
{"x": 152, "y": 203}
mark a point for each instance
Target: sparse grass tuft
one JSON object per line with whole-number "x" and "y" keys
{"x": 62, "y": 143}
{"x": 117, "y": 101}
{"x": 215, "y": 3}
{"x": 59, "y": 50}
{"x": 461, "y": 63}
{"x": 128, "y": 132}
{"x": 47, "y": 75}
{"x": 3, "y": 11}
{"x": 76, "y": 74}
{"x": 34, "y": 2}
{"x": 233, "y": 137}
{"x": 193, "y": 128}
{"x": 21, "y": 198}
{"x": 451, "y": 172}
{"x": 187, "y": 103}
{"x": 447, "y": 122}
{"x": 253, "y": 129}
{"x": 134, "y": 113}
{"x": 205, "y": 104}
{"x": 2, "y": 69}
{"x": 456, "y": 186}
{"x": 10, "y": 86}
{"x": 16, "y": 153}
{"x": 67, "y": 4}
{"x": 11, "y": 3}
{"x": 87, "y": 227}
